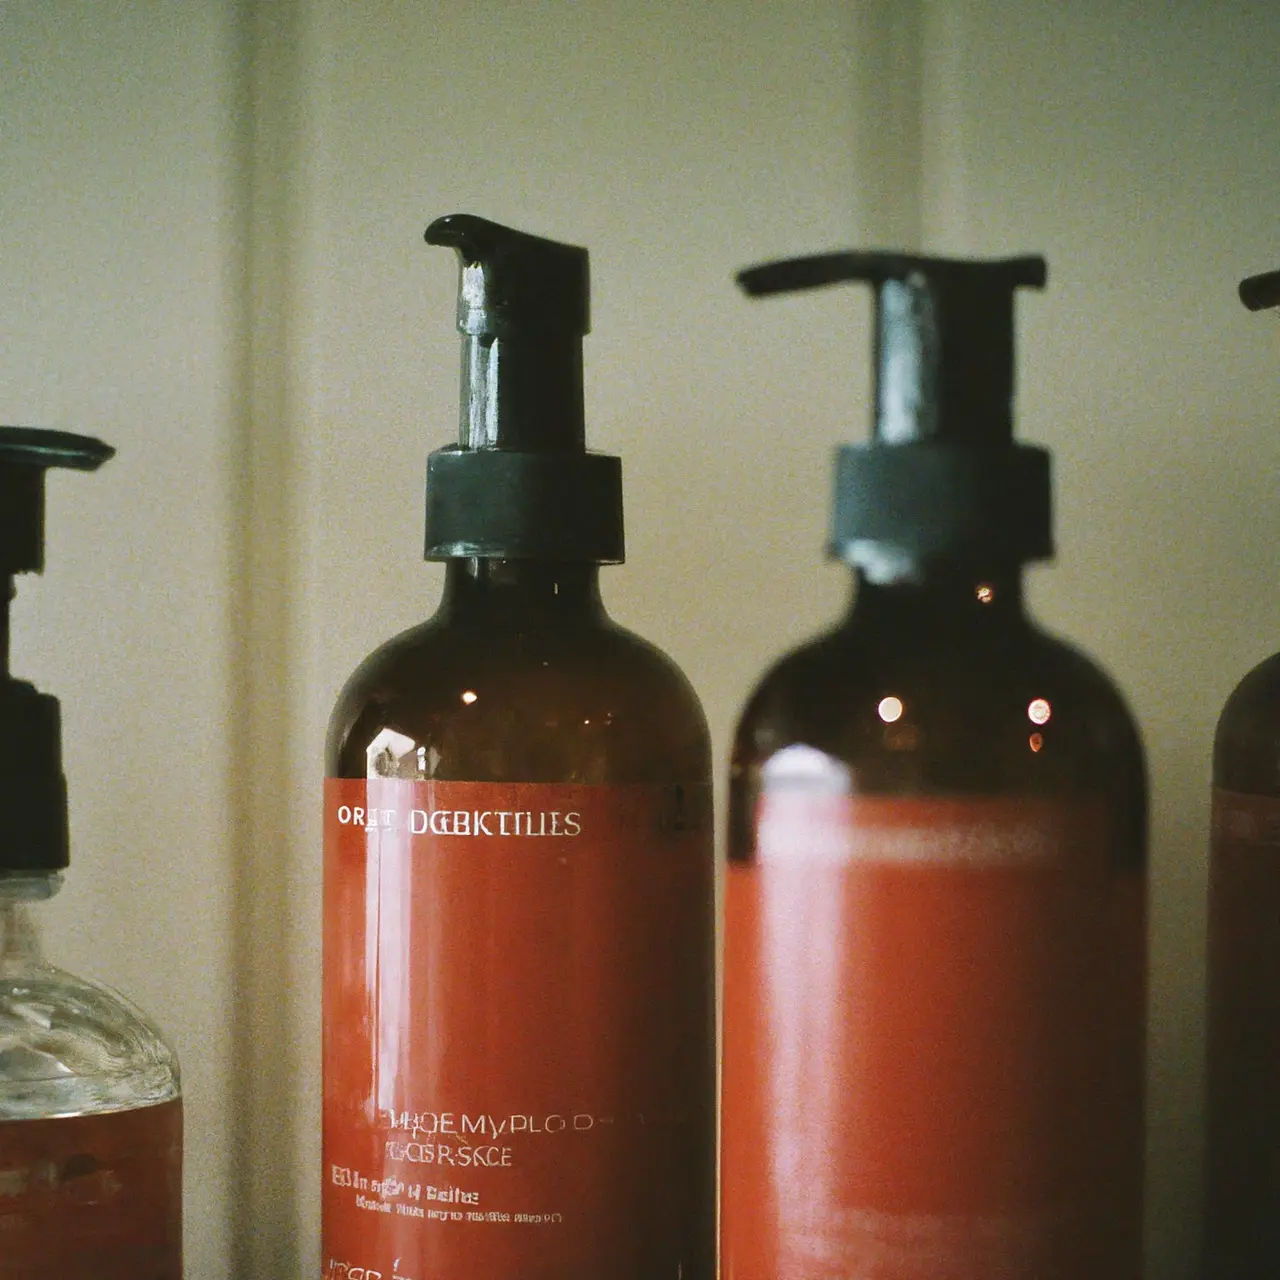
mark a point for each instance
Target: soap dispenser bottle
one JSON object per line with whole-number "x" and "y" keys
{"x": 90, "y": 1099}
{"x": 1242, "y": 1221}
{"x": 519, "y": 1065}
{"x": 934, "y": 934}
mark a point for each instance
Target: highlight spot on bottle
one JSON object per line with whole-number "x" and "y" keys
{"x": 890, "y": 709}
{"x": 469, "y": 696}
{"x": 1036, "y": 741}
{"x": 986, "y": 593}
{"x": 1039, "y": 711}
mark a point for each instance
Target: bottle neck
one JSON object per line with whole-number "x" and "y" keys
{"x": 518, "y": 592}
{"x": 19, "y": 937}
{"x": 941, "y": 596}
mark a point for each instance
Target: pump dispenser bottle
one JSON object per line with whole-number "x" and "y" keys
{"x": 90, "y": 1102}
{"x": 934, "y": 952}
{"x": 1242, "y": 1226}
{"x": 519, "y": 919}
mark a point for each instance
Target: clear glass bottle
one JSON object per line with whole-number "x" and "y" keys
{"x": 90, "y": 1095}
{"x": 90, "y": 1117}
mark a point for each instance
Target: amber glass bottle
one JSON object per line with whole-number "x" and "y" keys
{"x": 1242, "y": 1225}
{"x": 519, "y": 904}
{"x": 934, "y": 966}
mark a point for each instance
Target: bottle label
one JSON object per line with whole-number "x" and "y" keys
{"x": 95, "y": 1197}
{"x": 518, "y": 1031}
{"x": 1242, "y": 1225}
{"x": 933, "y": 1043}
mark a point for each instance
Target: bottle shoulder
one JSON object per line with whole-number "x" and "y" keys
{"x": 1246, "y": 748}
{"x": 983, "y": 709}
{"x": 562, "y": 701}
{"x": 842, "y": 667}
{"x": 73, "y": 1046}
{"x": 1255, "y": 697}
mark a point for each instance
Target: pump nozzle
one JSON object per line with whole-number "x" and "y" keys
{"x": 520, "y": 483}
{"x": 942, "y": 477}
{"x": 1259, "y": 292}
{"x": 514, "y": 284}
{"x": 25, "y": 454}
{"x": 944, "y": 336}
{"x": 33, "y": 794}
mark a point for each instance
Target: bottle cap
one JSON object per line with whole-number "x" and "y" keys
{"x": 520, "y": 484}
{"x": 33, "y": 791}
{"x": 942, "y": 477}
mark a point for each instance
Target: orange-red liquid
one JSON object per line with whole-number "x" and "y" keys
{"x": 92, "y": 1197}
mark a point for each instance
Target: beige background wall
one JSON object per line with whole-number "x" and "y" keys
{"x": 211, "y": 247}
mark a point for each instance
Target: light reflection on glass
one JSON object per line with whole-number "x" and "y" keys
{"x": 1036, "y": 741}
{"x": 986, "y": 593}
{"x": 801, "y": 937}
{"x": 1039, "y": 711}
{"x": 469, "y": 696}
{"x": 387, "y": 752}
{"x": 890, "y": 709}
{"x": 799, "y": 765}
{"x": 387, "y": 901}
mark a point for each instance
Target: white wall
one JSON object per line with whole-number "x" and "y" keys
{"x": 213, "y": 256}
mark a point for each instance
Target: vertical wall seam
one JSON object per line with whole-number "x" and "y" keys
{"x": 265, "y": 1064}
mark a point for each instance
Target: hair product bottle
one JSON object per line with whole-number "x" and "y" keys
{"x": 934, "y": 964}
{"x": 1242, "y": 1226}
{"x": 90, "y": 1100}
{"x": 519, "y": 919}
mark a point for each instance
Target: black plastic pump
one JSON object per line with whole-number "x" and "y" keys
{"x": 942, "y": 477}
{"x": 33, "y": 792}
{"x": 520, "y": 483}
{"x": 1260, "y": 292}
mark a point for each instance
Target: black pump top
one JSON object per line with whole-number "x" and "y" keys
{"x": 942, "y": 478}
{"x": 515, "y": 284}
{"x": 1260, "y": 292}
{"x": 33, "y": 792}
{"x": 520, "y": 483}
